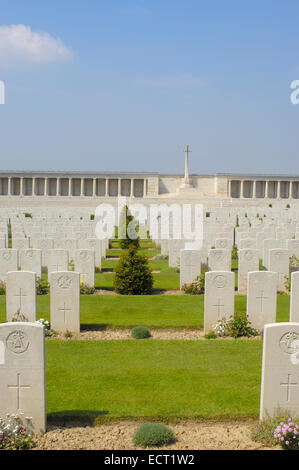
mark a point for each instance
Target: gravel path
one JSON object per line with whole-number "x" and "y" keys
{"x": 157, "y": 333}
{"x": 119, "y": 435}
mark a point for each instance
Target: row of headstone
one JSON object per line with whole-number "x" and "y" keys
{"x": 57, "y": 260}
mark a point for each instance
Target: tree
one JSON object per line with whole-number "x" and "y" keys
{"x": 132, "y": 274}
{"x": 127, "y": 229}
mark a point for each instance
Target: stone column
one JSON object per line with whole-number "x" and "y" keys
{"x": 229, "y": 188}
{"x": 144, "y": 187}
{"x": 107, "y": 187}
{"x": 82, "y": 187}
{"x": 267, "y": 189}
{"x": 291, "y": 190}
{"x": 242, "y": 189}
{"x": 58, "y": 188}
{"x": 132, "y": 188}
{"x": 21, "y": 186}
{"x": 254, "y": 189}
{"x": 94, "y": 185}
{"x": 278, "y": 189}
{"x": 9, "y": 186}
{"x": 119, "y": 187}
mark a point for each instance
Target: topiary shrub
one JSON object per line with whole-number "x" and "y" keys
{"x": 153, "y": 435}
{"x": 140, "y": 332}
{"x": 132, "y": 274}
{"x": 127, "y": 229}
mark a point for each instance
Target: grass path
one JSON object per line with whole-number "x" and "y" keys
{"x": 153, "y": 379}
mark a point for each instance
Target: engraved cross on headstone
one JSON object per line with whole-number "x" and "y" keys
{"x": 64, "y": 310}
{"x": 18, "y": 387}
{"x": 219, "y": 305}
{"x": 20, "y": 295}
{"x": 262, "y": 298}
{"x": 288, "y": 385}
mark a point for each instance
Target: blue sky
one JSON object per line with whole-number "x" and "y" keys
{"x": 131, "y": 82}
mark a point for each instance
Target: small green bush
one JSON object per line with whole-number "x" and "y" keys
{"x": 264, "y": 431}
{"x": 132, "y": 274}
{"x": 234, "y": 253}
{"x": 42, "y": 286}
{"x": 239, "y": 325}
{"x": 85, "y": 289}
{"x": 153, "y": 435}
{"x": 140, "y": 332}
{"x": 211, "y": 335}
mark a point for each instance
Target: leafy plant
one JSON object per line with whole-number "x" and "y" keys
{"x": 2, "y": 288}
{"x": 46, "y": 324}
{"x": 13, "y": 433}
{"x": 287, "y": 435}
{"x": 140, "y": 332}
{"x": 132, "y": 274}
{"x": 68, "y": 334}
{"x": 235, "y": 253}
{"x": 264, "y": 432}
{"x": 236, "y": 326}
{"x": 85, "y": 289}
{"x": 196, "y": 287}
{"x": 42, "y": 286}
{"x": 211, "y": 335}
{"x": 153, "y": 435}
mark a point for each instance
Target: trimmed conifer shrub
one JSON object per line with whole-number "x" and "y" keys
{"x": 140, "y": 332}
{"x": 132, "y": 274}
{"x": 153, "y": 435}
{"x": 127, "y": 229}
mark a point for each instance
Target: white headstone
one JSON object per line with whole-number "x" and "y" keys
{"x": 22, "y": 373}
{"x": 280, "y": 373}
{"x": 65, "y": 301}
{"x": 219, "y": 297}
{"x": 279, "y": 263}
{"x": 219, "y": 259}
{"x": 248, "y": 260}
{"x": 8, "y": 262}
{"x": 261, "y": 298}
{"x": 21, "y": 295}
{"x": 84, "y": 264}
{"x": 58, "y": 260}
{"x": 31, "y": 260}
{"x": 190, "y": 266}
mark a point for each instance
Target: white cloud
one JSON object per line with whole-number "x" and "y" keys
{"x": 20, "y": 45}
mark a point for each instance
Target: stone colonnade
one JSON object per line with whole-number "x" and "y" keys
{"x": 63, "y": 186}
{"x": 260, "y": 189}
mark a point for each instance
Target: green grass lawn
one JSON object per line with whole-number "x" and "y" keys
{"x": 155, "y": 311}
{"x": 153, "y": 379}
{"x": 167, "y": 279}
